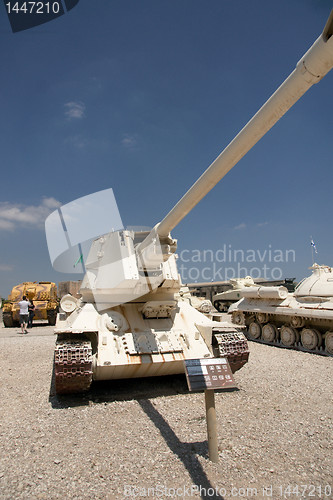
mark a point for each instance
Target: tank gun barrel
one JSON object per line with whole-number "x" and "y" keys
{"x": 310, "y": 69}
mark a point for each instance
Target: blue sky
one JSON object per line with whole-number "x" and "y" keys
{"x": 141, "y": 96}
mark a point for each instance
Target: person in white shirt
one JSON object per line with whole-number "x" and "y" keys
{"x": 24, "y": 314}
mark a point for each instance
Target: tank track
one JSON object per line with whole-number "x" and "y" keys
{"x": 255, "y": 323}
{"x": 52, "y": 316}
{"x": 7, "y": 319}
{"x": 73, "y": 366}
{"x": 233, "y": 346}
{"x": 296, "y": 347}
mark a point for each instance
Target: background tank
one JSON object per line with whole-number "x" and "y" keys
{"x": 222, "y": 301}
{"x": 299, "y": 320}
{"x": 130, "y": 321}
{"x": 201, "y": 304}
{"x": 44, "y": 295}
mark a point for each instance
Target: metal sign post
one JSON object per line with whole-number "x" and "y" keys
{"x": 209, "y": 374}
{"x": 211, "y": 425}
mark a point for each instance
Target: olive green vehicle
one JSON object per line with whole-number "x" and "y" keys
{"x": 44, "y": 296}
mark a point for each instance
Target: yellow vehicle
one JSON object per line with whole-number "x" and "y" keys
{"x": 44, "y": 296}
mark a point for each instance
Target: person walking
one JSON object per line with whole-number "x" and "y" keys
{"x": 24, "y": 313}
{"x": 31, "y": 309}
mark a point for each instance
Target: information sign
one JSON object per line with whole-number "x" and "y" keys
{"x": 209, "y": 373}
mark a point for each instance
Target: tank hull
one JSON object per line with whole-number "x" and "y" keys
{"x": 299, "y": 314}
{"x": 132, "y": 341}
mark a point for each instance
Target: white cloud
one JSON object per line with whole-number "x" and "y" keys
{"x": 240, "y": 226}
{"x": 6, "y": 224}
{"x": 18, "y": 215}
{"x": 77, "y": 141}
{"x": 5, "y": 267}
{"x": 129, "y": 141}
{"x": 51, "y": 203}
{"x": 75, "y": 110}
{"x": 243, "y": 225}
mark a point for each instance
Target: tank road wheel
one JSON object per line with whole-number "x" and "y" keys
{"x": 238, "y": 318}
{"x": 261, "y": 317}
{"x": 289, "y": 336}
{"x": 7, "y": 319}
{"x": 254, "y": 330}
{"x": 329, "y": 342}
{"x": 297, "y": 322}
{"x": 310, "y": 338}
{"x": 269, "y": 332}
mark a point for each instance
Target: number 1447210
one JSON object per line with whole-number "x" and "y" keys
{"x": 305, "y": 491}
{"x": 33, "y": 7}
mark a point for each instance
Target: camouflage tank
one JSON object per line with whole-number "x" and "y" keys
{"x": 301, "y": 320}
{"x": 44, "y": 295}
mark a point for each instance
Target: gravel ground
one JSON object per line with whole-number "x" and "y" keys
{"x": 147, "y": 438}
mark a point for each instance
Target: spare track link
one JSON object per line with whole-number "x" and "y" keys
{"x": 234, "y": 347}
{"x": 73, "y": 366}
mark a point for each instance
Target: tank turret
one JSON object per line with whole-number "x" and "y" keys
{"x": 130, "y": 321}
{"x": 223, "y": 300}
{"x": 319, "y": 284}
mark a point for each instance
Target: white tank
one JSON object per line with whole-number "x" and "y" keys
{"x": 131, "y": 321}
{"x": 223, "y": 300}
{"x": 300, "y": 320}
